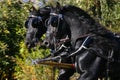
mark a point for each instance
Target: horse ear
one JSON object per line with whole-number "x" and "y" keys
{"x": 55, "y": 5}
{"x": 58, "y": 6}
{"x": 32, "y": 9}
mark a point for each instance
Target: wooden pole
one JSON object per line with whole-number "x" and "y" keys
{"x": 56, "y": 64}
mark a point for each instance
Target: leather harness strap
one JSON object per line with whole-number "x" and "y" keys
{"x": 83, "y": 36}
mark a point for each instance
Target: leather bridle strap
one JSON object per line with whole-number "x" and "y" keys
{"x": 84, "y": 36}
{"x": 64, "y": 40}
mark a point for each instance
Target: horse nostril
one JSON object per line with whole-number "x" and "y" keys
{"x": 46, "y": 43}
{"x": 27, "y": 43}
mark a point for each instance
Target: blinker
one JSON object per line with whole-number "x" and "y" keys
{"x": 36, "y": 22}
{"x": 55, "y": 20}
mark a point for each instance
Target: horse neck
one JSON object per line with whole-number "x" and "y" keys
{"x": 76, "y": 27}
{"x": 81, "y": 23}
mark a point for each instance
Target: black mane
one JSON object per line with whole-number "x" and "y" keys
{"x": 95, "y": 27}
{"x": 78, "y": 11}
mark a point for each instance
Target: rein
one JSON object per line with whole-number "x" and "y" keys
{"x": 83, "y": 36}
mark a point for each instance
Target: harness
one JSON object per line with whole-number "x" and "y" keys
{"x": 84, "y": 46}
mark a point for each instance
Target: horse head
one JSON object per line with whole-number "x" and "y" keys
{"x": 35, "y": 25}
{"x": 57, "y": 28}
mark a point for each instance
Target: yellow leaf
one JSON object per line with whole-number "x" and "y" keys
{"x": 9, "y": 2}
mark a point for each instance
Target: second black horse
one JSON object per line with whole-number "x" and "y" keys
{"x": 95, "y": 49}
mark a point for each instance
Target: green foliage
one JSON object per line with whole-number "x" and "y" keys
{"x": 26, "y": 70}
{"x": 12, "y": 17}
{"x": 110, "y": 14}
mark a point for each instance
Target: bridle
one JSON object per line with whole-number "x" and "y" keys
{"x": 39, "y": 17}
{"x": 57, "y": 42}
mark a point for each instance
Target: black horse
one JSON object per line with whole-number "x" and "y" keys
{"x": 95, "y": 50}
{"x": 35, "y": 25}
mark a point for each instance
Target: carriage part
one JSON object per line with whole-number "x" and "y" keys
{"x": 54, "y": 61}
{"x": 56, "y": 64}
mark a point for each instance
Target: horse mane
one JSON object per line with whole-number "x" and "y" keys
{"x": 77, "y": 11}
{"x": 94, "y": 26}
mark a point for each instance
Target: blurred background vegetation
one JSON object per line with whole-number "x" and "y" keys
{"x": 15, "y": 60}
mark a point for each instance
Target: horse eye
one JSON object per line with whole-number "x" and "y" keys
{"x": 54, "y": 21}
